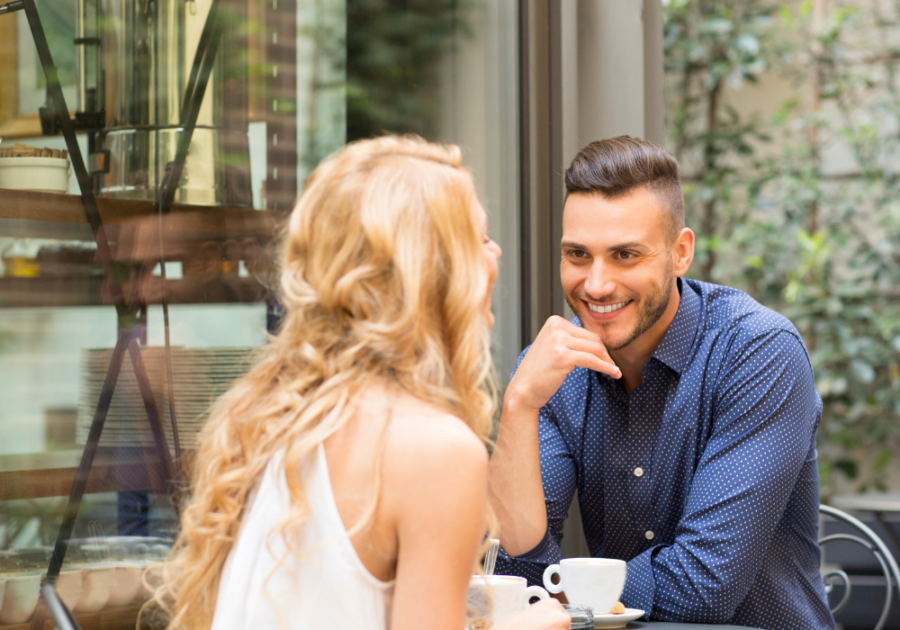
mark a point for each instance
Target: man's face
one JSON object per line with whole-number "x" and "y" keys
{"x": 618, "y": 264}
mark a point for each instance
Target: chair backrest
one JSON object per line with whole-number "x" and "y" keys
{"x": 870, "y": 541}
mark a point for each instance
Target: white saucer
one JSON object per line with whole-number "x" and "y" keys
{"x": 617, "y": 621}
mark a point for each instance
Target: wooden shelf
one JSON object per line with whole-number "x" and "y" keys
{"x": 38, "y": 292}
{"x": 27, "y": 209}
{"x": 53, "y": 474}
{"x": 58, "y": 482}
{"x": 89, "y": 291}
{"x": 122, "y": 618}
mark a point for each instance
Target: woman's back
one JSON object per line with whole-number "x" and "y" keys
{"x": 336, "y": 581}
{"x": 321, "y": 585}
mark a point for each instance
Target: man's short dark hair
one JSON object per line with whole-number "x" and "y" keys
{"x": 615, "y": 167}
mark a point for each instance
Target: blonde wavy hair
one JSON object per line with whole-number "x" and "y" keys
{"x": 384, "y": 281}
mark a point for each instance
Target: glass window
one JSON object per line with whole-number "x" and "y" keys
{"x": 188, "y": 288}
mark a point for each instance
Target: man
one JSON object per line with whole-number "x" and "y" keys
{"x": 684, "y": 414}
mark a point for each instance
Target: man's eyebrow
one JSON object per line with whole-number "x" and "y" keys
{"x": 612, "y": 248}
{"x": 621, "y": 246}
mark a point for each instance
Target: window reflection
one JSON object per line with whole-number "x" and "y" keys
{"x": 292, "y": 82}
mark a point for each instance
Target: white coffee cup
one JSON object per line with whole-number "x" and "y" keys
{"x": 594, "y": 582}
{"x": 509, "y": 594}
{"x": 22, "y": 592}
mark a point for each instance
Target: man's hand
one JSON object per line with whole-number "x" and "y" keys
{"x": 560, "y": 347}
{"x": 515, "y": 487}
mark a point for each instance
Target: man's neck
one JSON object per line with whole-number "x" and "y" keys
{"x": 632, "y": 358}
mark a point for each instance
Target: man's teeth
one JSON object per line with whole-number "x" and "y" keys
{"x": 606, "y": 309}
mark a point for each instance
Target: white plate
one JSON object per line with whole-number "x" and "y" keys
{"x": 617, "y": 621}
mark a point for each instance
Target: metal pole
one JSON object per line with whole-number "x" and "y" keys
{"x": 159, "y": 437}
{"x": 61, "y": 113}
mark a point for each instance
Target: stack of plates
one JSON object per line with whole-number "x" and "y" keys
{"x": 200, "y": 376}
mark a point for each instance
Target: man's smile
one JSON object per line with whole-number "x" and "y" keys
{"x": 605, "y": 312}
{"x": 609, "y": 308}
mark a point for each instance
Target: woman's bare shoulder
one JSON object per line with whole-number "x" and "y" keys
{"x": 434, "y": 464}
{"x": 430, "y": 453}
{"x": 420, "y": 431}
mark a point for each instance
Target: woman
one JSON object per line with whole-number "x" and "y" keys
{"x": 344, "y": 478}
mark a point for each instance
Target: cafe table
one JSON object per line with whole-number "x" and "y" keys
{"x": 666, "y": 625}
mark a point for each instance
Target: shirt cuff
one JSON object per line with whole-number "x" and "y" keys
{"x": 530, "y": 565}
{"x": 540, "y": 553}
{"x": 640, "y": 586}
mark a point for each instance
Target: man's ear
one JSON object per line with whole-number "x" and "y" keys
{"x": 683, "y": 252}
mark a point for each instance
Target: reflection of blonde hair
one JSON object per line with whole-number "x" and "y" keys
{"x": 383, "y": 281}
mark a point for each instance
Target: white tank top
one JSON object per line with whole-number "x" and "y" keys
{"x": 325, "y": 587}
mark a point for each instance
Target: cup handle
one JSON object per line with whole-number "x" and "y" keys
{"x": 536, "y": 591}
{"x": 548, "y": 579}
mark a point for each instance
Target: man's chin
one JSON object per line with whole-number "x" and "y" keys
{"x": 617, "y": 343}
{"x": 609, "y": 333}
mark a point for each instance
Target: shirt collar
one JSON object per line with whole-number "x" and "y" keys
{"x": 674, "y": 348}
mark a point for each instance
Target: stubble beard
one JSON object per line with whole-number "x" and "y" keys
{"x": 650, "y": 309}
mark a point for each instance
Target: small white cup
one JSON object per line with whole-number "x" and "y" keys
{"x": 594, "y": 582}
{"x": 22, "y": 592}
{"x": 509, "y": 594}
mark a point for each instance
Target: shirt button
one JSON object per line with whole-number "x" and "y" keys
{"x": 638, "y": 472}
{"x": 649, "y": 535}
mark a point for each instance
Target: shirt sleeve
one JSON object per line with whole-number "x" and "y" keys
{"x": 764, "y": 422}
{"x": 558, "y": 474}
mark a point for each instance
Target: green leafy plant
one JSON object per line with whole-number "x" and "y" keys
{"x": 802, "y": 210}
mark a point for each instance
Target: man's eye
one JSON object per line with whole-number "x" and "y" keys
{"x": 626, "y": 255}
{"x": 576, "y": 253}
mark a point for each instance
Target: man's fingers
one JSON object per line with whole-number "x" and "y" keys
{"x": 574, "y": 330}
{"x": 576, "y": 347}
{"x": 591, "y": 347}
{"x": 592, "y": 362}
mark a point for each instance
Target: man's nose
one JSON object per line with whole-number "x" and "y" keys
{"x": 600, "y": 281}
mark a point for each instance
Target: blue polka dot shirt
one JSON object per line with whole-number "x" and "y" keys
{"x": 704, "y": 478}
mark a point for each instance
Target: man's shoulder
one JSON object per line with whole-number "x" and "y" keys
{"x": 733, "y": 313}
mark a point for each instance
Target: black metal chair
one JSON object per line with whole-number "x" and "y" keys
{"x": 870, "y": 541}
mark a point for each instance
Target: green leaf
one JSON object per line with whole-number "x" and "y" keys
{"x": 747, "y": 43}
{"x": 756, "y": 262}
{"x": 787, "y": 108}
{"x": 786, "y": 15}
{"x": 807, "y": 241}
{"x": 718, "y": 26}
{"x": 847, "y": 467}
{"x": 792, "y": 291}
{"x": 883, "y": 459}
